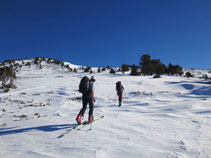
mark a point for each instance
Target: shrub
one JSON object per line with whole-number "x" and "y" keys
{"x": 7, "y": 74}
{"x": 28, "y": 64}
{"x": 36, "y": 60}
{"x": 125, "y": 68}
{"x": 188, "y": 74}
{"x": 75, "y": 70}
{"x": 99, "y": 70}
{"x": 157, "y": 76}
{"x": 112, "y": 71}
{"x": 205, "y": 76}
{"x": 134, "y": 70}
{"x": 58, "y": 62}
{"x": 108, "y": 67}
{"x": 174, "y": 70}
{"x": 87, "y": 69}
{"x": 6, "y": 90}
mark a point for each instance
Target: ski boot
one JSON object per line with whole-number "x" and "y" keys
{"x": 79, "y": 119}
{"x": 120, "y": 104}
{"x": 91, "y": 119}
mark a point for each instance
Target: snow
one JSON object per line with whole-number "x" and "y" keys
{"x": 169, "y": 117}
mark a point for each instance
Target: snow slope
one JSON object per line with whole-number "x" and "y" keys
{"x": 168, "y": 117}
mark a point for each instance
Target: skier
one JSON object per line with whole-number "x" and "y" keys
{"x": 119, "y": 89}
{"x": 87, "y": 98}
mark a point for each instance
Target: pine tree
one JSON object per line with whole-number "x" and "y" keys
{"x": 134, "y": 70}
{"x": 7, "y": 74}
{"x": 145, "y": 64}
{"x": 125, "y": 68}
{"x": 99, "y": 70}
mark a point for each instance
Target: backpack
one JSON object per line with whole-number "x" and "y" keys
{"x": 119, "y": 86}
{"x": 84, "y": 85}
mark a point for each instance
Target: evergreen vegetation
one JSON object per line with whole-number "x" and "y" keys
{"x": 134, "y": 70}
{"x": 205, "y": 76}
{"x": 174, "y": 70}
{"x": 147, "y": 66}
{"x": 188, "y": 74}
{"x": 125, "y": 68}
{"x": 7, "y": 75}
{"x": 150, "y": 66}
{"x": 98, "y": 70}
{"x": 108, "y": 67}
{"x": 112, "y": 71}
{"x": 87, "y": 69}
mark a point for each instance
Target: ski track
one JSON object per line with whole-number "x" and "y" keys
{"x": 167, "y": 117}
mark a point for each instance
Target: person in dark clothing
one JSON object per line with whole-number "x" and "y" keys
{"x": 119, "y": 89}
{"x": 87, "y": 98}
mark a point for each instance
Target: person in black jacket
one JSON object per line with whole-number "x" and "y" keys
{"x": 87, "y": 98}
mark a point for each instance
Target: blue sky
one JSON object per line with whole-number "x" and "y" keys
{"x": 107, "y": 32}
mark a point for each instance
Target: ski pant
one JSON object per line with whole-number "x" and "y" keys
{"x": 120, "y": 97}
{"x": 85, "y": 101}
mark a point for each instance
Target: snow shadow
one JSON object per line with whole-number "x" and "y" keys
{"x": 181, "y": 82}
{"x": 2, "y": 129}
{"x": 188, "y": 86}
{"x": 192, "y": 82}
{"x": 205, "y": 88}
{"x": 113, "y": 75}
{"x": 136, "y": 103}
{"x": 138, "y": 93}
{"x": 47, "y": 128}
{"x": 162, "y": 101}
{"x": 168, "y": 110}
{"x": 203, "y": 112}
{"x": 62, "y": 91}
{"x": 185, "y": 84}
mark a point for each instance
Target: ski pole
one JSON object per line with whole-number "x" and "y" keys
{"x": 125, "y": 94}
{"x": 90, "y": 128}
{"x": 115, "y": 100}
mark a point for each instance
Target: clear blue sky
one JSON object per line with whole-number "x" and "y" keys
{"x": 107, "y": 32}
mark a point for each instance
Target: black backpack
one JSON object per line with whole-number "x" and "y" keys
{"x": 84, "y": 87}
{"x": 119, "y": 86}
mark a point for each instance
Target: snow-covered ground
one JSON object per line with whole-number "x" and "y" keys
{"x": 168, "y": 117}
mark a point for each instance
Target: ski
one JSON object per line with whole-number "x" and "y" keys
{"x": 77, "y": 127}
{"x": 90, "y": 128}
